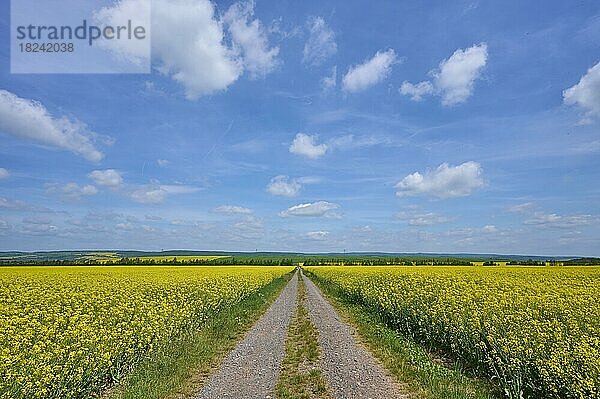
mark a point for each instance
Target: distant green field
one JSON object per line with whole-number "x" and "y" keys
{"x": 104, "y": 258}
{"x": 101, "y": 256}
{"x": 179, "y": 258}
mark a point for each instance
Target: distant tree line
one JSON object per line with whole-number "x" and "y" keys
{"x": 396, "y": 261}
{"x": 308, "y": 261}
{"x": 229, "y": 261}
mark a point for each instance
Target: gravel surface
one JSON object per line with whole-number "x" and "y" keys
{"x": 251, "y": 370}
{"x": 351, "y": 370}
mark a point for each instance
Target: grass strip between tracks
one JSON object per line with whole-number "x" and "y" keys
{"x": 301, "y": 376}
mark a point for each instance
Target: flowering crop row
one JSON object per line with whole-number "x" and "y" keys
{"x": 535, "y": 331}
{"x": 68, "y": 332}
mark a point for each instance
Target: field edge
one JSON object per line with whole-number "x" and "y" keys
{"x": 179, "y": 370}
{"x": 410, "y": 363}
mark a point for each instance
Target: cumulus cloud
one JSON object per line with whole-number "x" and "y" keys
{"x": 317, "y": 235}
{"x": 250, "y": 40}
{"x": 30, "y": 120}
{"x": 444, "y": 182}
{"x": 321, "y": 42}
{"x": 306, "y": 145}
{"x": 454, "y": 79}
{"x": 457, "y": 75}
{"x": 190, "y": 42}
{"x": 314, "y": 209}
{"x": 149, "y": 195}
{"x": 586, "y": 94}
{"x": 416, "y": 91}
{"x": 4, "y": 173}
{"x": 188, "y": 45}
{"x": 119, "y": 14}
{"x": 232, "y": 210}
{"x": 561, "y": 221}
{"x": 162, "y": 163}
{"x": 107, "y": 178}
{"x": 282, "y": 185}
{"x": 71, "y": 191}
{"x": 361, "y": 77}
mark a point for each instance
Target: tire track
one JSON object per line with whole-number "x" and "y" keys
{"x": 351, "y": 370}
{"x": 251, "y": 370}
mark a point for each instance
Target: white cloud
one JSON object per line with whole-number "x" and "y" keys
{"x": 329, "y": 82}
{"x": 190, "y": 45}
{"x": 314, "y": 209}
{"x": 152, "y": 89}
{"x": 282, "y": 185}
{"x": 232, "y": 210}
{"x": 320, "y": 44}
{"x": 250, "y": 40}
{"x": 422, "y": 219}
{"x": 125, "y": 226}
{"x": 149, "y": 195}
{"x": 455, "y": 77}
{"x": 416, "y": 91}
{"x": 157, "y": 193}
{"x": 561, "y": 221}
{"x": 361, "y": 77}
{"x": 162, "y": 163}
{"x": 306, "y": 145}
{"x": 521, "y": 208}
{"x": 317, "y": 235}
{"x": 119, "y": 14}
{"x": 108, "y": 178}
{"x": 71, "y": 191}
{"x": 586, "y": 94}
{"x": 18, "y": 205}
{"x": 444, "y": 182}
{"x": 30, "y": 120}
{"x": 4, "y": 173}
{"x": 490, "y": 228}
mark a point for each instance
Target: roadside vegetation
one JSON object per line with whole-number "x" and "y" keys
{"x": 424, "y": 373}
{"x": 73, "y": 332}
{"x": 532, "y": 331}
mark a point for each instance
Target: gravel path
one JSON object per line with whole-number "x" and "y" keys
{"x": 351, "y": 371}
{"x": 251, "y": 370}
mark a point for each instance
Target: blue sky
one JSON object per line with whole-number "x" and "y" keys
{"x": 316, "y": 126}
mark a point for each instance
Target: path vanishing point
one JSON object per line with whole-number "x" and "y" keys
{"x": 251, "y": 369}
